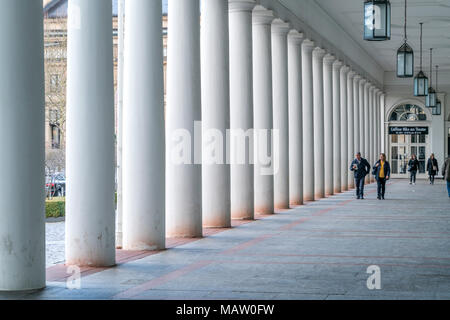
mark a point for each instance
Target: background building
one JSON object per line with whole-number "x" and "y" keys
{"x": 55, "y": 42}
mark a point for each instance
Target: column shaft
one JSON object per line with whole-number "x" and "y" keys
{"x": 350, "y": 127}
{"x": 183, "y": 175}
{"x": 366, "y": 154}
{"x": 328, "y": 122}
{"x": 362, "y": 84}
{"x": 318, "y": 113}
{"x": 241, "y": 108}
{"x": 295, "y": 118}
{"x": 337, "y": 65}
{"x": 90, "y": 217}
{"x": 344, "y": 129}
{"x": 263, "y": 110}
{"x": 356, "y": 120}
{"x": 22, "y": 213}
{"x": 280, "y": 113}
{"x": 215, "y": 113}
{"x": 308, "y": 121}
{"x": 371, "y": 130}
{"x": 143, "y": 129}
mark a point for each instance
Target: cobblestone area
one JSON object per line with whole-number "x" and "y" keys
{"x": 54, "y": 243}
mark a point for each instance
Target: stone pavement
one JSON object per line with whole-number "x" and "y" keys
{"x": 317, "y": 251}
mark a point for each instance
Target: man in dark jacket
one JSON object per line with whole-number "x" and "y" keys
{"x": 361, "y": 168}
{"x": 382, "y": 172}
{"x": 446, "y": 174}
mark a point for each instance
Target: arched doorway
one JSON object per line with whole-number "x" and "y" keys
{"x": 409, "y": 133}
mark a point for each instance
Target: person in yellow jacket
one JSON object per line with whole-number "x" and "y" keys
{"x": 382, "y": 172}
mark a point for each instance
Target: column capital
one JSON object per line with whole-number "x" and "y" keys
{"x": 295, "y": 37}
{"x": 367, "y": 85}
{"x": 329, "y": 58}
{"x": 357, "y": 78}
{"x": 241, "y": 5}
{"x": 337, "y": 65}
{"x": 362, "y": 81}
{"x": 262, "y": 16}
{"x": 345, "y": 69}
{"x": 318, "y": 53}
{"x": 351, "y": 74}
{"x": 280, "y": 27}
{"x": 308, "y": 45}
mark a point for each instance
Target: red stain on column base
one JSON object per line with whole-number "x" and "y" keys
{"x": 264, "y": 210}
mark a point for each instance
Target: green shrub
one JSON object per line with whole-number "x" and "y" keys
{"x": 55, "y": 208}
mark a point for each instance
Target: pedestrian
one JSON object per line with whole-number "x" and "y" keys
{"x": 446, "y": 174}
{"x": 382, "y": 172}
{"x": 413, "y": 166}
{"x": 360, "y": 168}
{"x": 432, "y": 168}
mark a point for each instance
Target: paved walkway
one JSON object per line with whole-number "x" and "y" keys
{"x": 318, "y": 251}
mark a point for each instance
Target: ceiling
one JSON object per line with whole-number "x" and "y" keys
{"x": 435, "y": 14}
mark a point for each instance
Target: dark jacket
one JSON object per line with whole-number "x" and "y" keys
{"x": 376, "y": 170}
{"x": 446, "y": 170}
{"x": 363, "y": 168}
{"x": 413, "y": 165}
{"x": 430, "y": 164}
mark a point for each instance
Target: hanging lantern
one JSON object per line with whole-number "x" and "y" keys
{"x": 430, "y": 99}
{"x": 377, "y": 20}
{"x": 405, "y": 57}
{"x": 436, "y": 111}
{"x": 420, "y": 81}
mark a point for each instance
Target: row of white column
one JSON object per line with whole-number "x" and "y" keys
{"x": 266, "y": 75}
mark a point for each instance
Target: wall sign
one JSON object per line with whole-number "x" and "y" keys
{"x": 408, "y": 130}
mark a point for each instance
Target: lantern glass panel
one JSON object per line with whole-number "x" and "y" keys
{"x": 377, "y": 20}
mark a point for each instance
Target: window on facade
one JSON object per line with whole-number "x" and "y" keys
{"x": 54, "y": 82}
{"x": 408, "y": 112}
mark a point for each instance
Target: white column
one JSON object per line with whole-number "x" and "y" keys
{"x": 380, "y": 133}
{"x": 366, "y": 154}
{"x": 383, "y": 132}
{"x": 356, "y": 120}
{"x": 328, "y": 122}
{"x": 183, "y": 172}
{"x": 362, "y": 85}
{"x": 344, "y": 129}
{"x": 241, "y": 107}
{"x": 371, "y": 126}
{"x": 350, "y": 128}
{"x": 263, "y": 109}
{"x": 308, "y": 120}
{"x": 295, "y": 40}
{"x": 143, "y": 129}
{"x": 280, "y": 30}
{"x": 90, "y": 216}
{"x": 337, "y": 65}
{"x": 319, "y": 139}
{"x": 215, "y": 113}
{"x": 22, "y": 213}
{"x": 375, "y": 154}
{"x": 119, "y": 119}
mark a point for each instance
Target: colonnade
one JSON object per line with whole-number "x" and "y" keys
{"x": 253, "y": 72}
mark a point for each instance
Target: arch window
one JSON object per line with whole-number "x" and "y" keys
{"x": 408, "y": 112}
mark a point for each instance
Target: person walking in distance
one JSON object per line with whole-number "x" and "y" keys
{"x": 413, "y": 166}
{"x": 446, "y": 174}
{"x": 382, "y": 172}
{"x": 432, "y": 168}
{"x": 360, "y": 168}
